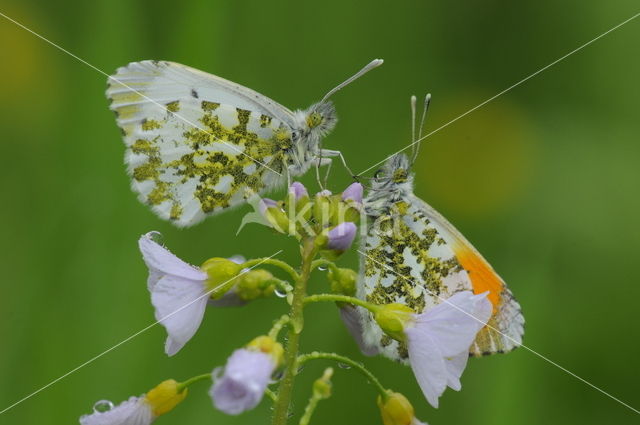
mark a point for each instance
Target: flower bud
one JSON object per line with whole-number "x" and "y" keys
{"x": 268, "y": 345}
{"x": 274, "y": 214}
{"x": 302, "y": 207}
{"x": 257, "y": 283}
{"x": 163, "y": 398}
{"x": 341, "y": 237}
{"x": 322, "y": 386}
{"x": 393, "y": 319}
{"x": 322, "y": 208}
{"x": 342, "y": 281}
{"x": 353, "y": 193}
{"x": 298, "y": 190}
{"x": 221, "y": 272}
{"x": 396, "y": 410}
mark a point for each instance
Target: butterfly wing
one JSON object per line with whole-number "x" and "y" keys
{"x": 414, "y": 256}
{"x": 197, "y": 144}
{"x": 405, "y": 260}
{"x": 505, "y": 328}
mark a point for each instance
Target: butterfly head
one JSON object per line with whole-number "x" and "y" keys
{"x": 320, "y": 118}
{"x": 393, "y": 179}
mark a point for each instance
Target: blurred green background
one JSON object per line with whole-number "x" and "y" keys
{"x": 544, "y": 180}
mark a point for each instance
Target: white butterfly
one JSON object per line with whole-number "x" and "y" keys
{"x": 198, "y": 144}
{"x": 412, "y": 255}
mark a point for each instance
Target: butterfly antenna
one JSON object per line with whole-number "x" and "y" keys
{"x": 417, "y": 142}
{"x": 413, "y": 124}
{"x": 373, "y": 64}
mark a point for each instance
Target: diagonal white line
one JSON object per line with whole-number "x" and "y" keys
{"x": 519, "y": 344}
{"x": 505, "y": 90}
{"x": 129, "y": 338}
{"x": 132, "y": 89}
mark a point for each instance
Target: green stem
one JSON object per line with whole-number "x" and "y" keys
{"x": 281, "y": 408}
{"x": 308, "y": 411}
{"x": 185, "y": 384}
{"x": 346, "y": 360}
{"x": 341, "y": 298}
{"x": 277, "y": 326}
{"x": 274, "y": 262}
{"x": 322, "y": 262}
{"x": 271, "y": 395}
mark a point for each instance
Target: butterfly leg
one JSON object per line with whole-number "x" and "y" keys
{"x": 288, "y": 177}
{"x": 330, "y": 153}
{"x": 326, "y": 174}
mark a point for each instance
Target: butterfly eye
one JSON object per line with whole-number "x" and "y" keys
{"x": 314, "y": 119}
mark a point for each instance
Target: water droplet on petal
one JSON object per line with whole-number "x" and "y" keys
{"x": 102, "y": 406}
{"x": 344, "y": 366}
{"x": 156, "y": 237}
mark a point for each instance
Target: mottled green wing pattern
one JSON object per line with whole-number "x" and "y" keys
{"x": 188, "y": 155}
{"x": 405, "y": 261}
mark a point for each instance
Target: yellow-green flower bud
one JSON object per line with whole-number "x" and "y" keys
{"x": 393, "y": 319}
{"x": 396, "y": 410}
{"x": 342, "y": 281}
{"x": 322, "y": 208}
{"x": 221, "y": 273}
{"x": 269, "y": 346}
{"x": 353, "y": 212}
{"x": 165, "y": 397}
{"x": 322, "y": 386}
{"x": 257, "y": 283}
{"x": 277, "y": 218}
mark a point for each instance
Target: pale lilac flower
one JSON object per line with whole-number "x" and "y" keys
{"x": 298, "y": 190}
{"x": 138, "y": 410}
{"x": 341, "y": 237}
{"x": 353, "y": 193}
{"x": 438, "y": 341}
{"x": 178, "y": 293}
{"x": 243, "y": 382}
{"x": 134, "y": 411}
{"x": 265, "y": 204}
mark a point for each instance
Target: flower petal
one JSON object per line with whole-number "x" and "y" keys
{"x": 161, "y": 261}
{"x": 179, "y": 306}
{"x": 428, "y": 366}
{"x": 298, "y": 190}
{"x": 131, "y": 412}
{"x": 353, "y": 192}
{"x": 341, "y": 237}
{"x": 454, "y": 323}
{"x": 243, "y": 383}
{"x": 455, "y": 367}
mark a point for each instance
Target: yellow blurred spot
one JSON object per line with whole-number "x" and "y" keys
{"x": 25, "y": 59}
{"x": 480, "y": 164}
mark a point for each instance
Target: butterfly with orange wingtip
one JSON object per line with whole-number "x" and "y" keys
{"x": 412, "y": 255}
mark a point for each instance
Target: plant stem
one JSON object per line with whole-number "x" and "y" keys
{"x": 185, "y": 384}
{"x": 322, "y": 262}
{"x": 281, "y": 408}
{"x": 341, "y": 298}
{"x": 274, "y": 262}
{"x": 278, "y": 325}
{"x": 346, "y": 360}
